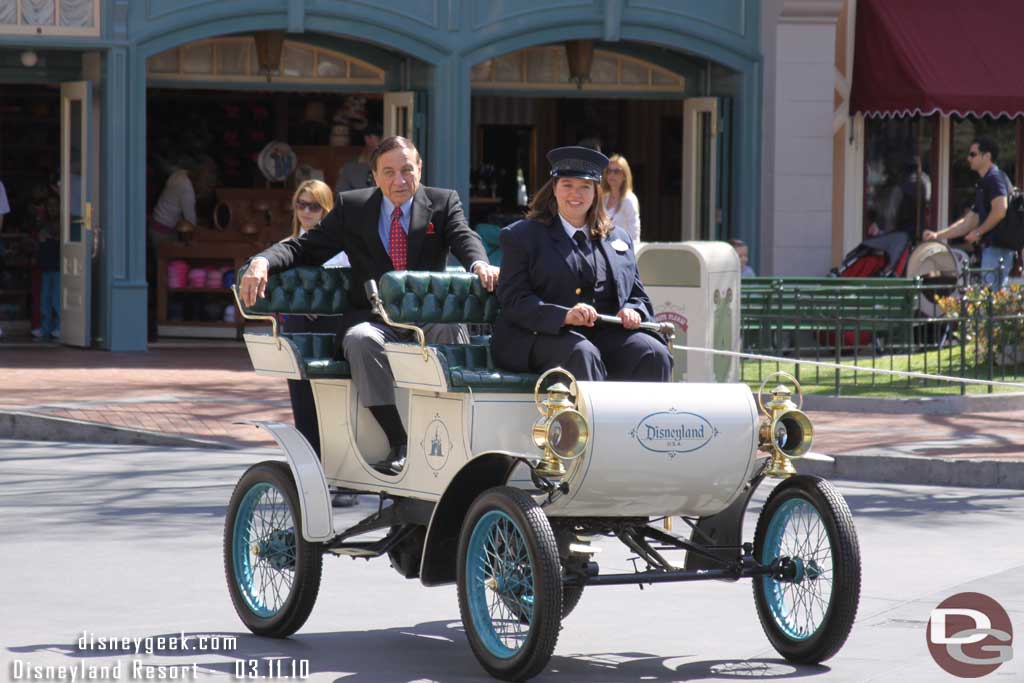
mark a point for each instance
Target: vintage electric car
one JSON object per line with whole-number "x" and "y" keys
{"x": 510, "y": 477}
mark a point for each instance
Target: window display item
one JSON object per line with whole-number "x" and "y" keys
{"x": 277, "y": 161}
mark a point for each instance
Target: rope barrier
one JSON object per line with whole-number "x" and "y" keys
{"x": 855, "y": 368}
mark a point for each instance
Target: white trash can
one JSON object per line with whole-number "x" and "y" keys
{"x": 696, "y": 286}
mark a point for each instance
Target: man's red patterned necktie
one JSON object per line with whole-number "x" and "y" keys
{"x": 397, "y": 242}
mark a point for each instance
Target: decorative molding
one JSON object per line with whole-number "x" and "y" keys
{"x": 454, "y": 13}
{"x": 613, "y": 20}
{"x": 430, "y": 19}
{"x": 486, "y": 14}
{"x": 296, "y": 16}
{"x": 675, "y": 8}
{"x": 811, "y": 11}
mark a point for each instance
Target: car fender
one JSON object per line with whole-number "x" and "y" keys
{"x": 438, "y": 565}
{"x": 314, "y": 498}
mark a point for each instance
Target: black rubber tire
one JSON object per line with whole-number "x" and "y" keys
{"x": 570, "y": 598}
{"x": 542, "y": 551}
{"x": 841, "y": 611}
{"x": 298, "y": 605}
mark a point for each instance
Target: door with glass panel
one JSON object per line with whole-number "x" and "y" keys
{"x": 75, "y": 214}
{"x": 700, "y": 168}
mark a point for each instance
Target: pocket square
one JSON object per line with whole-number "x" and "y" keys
{"x": 430, "y": 228}
{"x": 620, "y": 246}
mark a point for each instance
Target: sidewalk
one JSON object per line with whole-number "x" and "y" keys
{"x": 171, "y": 396}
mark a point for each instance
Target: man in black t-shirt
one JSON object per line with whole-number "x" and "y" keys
{"x": 990, "y": 201}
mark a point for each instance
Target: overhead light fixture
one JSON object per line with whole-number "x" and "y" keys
{"x": 29, "y": 58}
{"x": 580, "y": 54}
{"x": 269, "y": 46}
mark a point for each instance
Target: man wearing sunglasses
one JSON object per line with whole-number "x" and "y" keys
{"x": 398, "y": 225}
{"x": 990, "y": 202}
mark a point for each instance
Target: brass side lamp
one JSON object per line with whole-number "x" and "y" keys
{"x": 785, "y": 431}
{"x": 561, "y": 431}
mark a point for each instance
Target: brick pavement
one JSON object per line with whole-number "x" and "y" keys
{"x": 199, "y": 392}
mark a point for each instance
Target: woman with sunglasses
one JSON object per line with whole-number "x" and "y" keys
{"x": 312, "y": 201}
{"x": 621, "y": 205}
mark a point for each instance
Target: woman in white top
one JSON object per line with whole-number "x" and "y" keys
{"x": 312, "y": 201}
{"x": 620, "y": 203}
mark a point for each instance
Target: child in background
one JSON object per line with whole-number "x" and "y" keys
{"x": 744, "y": 253}
{"x": 48, "y": 262}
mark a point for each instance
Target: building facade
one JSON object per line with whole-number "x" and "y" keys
{"x": 146, "y": 80}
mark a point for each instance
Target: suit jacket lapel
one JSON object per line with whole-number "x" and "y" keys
{"x": 371, "y": 230}
{"x": 419, "y": 218}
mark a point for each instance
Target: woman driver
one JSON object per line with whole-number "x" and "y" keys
{"x": 561, "y": 267}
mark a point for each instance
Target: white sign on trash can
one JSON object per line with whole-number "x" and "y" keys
{"x": 696, "y": 286}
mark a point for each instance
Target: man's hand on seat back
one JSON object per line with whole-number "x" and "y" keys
{"x": 254, "y": 282}
{"x": 488, "y": 275}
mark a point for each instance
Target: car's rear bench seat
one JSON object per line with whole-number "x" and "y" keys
{"x": 409, "y": 297}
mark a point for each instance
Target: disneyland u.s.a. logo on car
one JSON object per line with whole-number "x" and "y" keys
{"x": 674, "y": 432}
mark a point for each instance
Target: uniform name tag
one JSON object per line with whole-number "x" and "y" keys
{"x": 620, "y": 246}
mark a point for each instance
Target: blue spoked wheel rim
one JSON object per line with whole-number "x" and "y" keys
{"x": 500, "y": 584}
{"x": 263, "y": 549}
{"x": 799, "y": 608}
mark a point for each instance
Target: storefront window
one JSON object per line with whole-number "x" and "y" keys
{"x": 899, "y": 175}
{"x": 961, "y": 178}
{"x": 50, "y": 17}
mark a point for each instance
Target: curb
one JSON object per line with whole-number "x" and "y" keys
{"x": 35, "y": 427}
{"x": 878, "y": 469}
{"x": 939, "y": 405}
{"x": 907, "y": 469}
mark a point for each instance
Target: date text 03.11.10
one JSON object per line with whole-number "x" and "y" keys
{"x": 252, "y": 669}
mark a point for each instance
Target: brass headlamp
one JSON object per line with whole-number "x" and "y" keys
{"x": 561, "y": 431}
{"x": 785, "y": 430}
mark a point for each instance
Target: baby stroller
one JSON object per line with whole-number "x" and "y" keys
{"x": 881, "y": 256}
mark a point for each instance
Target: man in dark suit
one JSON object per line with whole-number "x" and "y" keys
{"x": 561, "y": 267}
{"x": 399, "y": 225}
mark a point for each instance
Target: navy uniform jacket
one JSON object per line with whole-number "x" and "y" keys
{"x": 539, "y": 284}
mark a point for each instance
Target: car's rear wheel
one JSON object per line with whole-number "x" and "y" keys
{"x": 510, "y": 584}
{"x": 273, "y": 573}
{"x": 808, "y": 615}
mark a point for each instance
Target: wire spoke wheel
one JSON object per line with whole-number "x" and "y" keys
{"x": 510, "y": 584}
{"x": 808, "y": 615}
{"x": 273, "y": 574}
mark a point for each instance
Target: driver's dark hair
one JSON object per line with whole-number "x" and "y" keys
{"x": 987, "y": 144}
{"x": 391, "y": 143}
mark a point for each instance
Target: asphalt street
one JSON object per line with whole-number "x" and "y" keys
{"x": 125, "y": 542}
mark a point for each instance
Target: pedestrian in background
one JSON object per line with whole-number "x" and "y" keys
{"x": 311, "y": 202}
{"x": 990, "y": 203}
{"x": 621, "y": 205}
{"x": 357, "y": 173}
{"x": 743, "y": 251}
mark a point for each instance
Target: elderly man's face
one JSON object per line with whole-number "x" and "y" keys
{"x": 575, "y": 197}
{"x": 398, "y": 174}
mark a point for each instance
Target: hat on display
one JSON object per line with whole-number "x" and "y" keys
{"x": 577, "y": 162}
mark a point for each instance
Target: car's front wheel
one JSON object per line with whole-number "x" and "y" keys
{"x": 510, "y": 584}
{"x": 808, "y": 614}
{"x": 273, "y": 573}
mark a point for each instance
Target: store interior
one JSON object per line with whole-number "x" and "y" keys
{"x": 29, "y": 159}
{"x": 223, "y": 138}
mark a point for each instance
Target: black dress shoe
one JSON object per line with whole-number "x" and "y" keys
{"x": 395, "y": 461}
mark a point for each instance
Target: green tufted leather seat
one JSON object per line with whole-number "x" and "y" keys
{"x": 427, "y": 297}
{"x": 409, "y": 297}
{"x": 309, "y": 290}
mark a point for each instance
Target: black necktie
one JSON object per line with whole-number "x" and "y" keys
{"x": 587, "y": 270}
